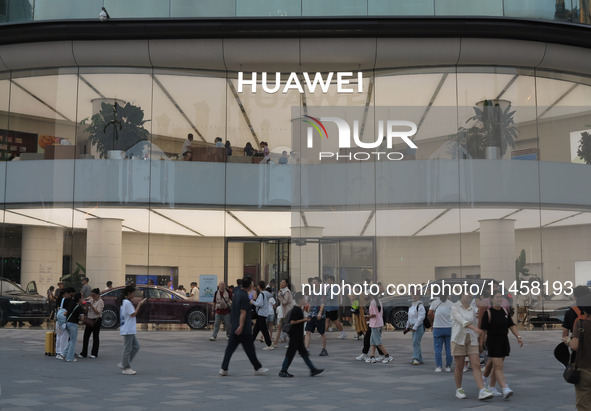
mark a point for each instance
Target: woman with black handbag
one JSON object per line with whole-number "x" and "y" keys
{"x": 582, "y": 345}
{"x": 92, "y": 321}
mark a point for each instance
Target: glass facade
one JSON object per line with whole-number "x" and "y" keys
{"x": 101, "y": 179}
{"x": 40, "y": 10}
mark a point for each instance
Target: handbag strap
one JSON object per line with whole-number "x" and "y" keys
{"x": 581, "y": 336}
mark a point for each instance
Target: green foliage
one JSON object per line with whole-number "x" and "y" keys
{"x": 74, "y": 279}
{"x": 584, "y": 150}
{"x": 491, "y": 127}
{"x": 520, "y": 271}
{"x": 116, "y": 127}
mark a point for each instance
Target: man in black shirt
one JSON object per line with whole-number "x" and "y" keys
{"x": 296, "y": 338}
{"x": 571, "y": 315}
{"x": 241, "y": 320}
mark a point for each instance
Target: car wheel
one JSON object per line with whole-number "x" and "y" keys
{"x": 399, "y": 318}
{"x": 3, "y": 317}
{"x": 196, "y": 319}
{"x": 110, "y": 319}
{"x": 35, "y": 323}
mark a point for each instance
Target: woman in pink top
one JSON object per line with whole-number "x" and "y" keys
{"x": 376, "y": 323}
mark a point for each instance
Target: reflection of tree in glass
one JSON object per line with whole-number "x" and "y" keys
{"x": 116, "y": 127}
{"x": 584, "y": 150}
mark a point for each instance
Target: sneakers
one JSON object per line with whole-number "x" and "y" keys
{"x": 361, "y": 357}
{"x": 460, "y": 394}
{"x": 269, "y": 348}
{"x": 212, "y": 338}
{"x": 261, "y": 371}
{"x": 79, "y": 356}
{"x": 447, "y": 369}
{"x": 223, "y": 372}
{"x": 59, "y": 357}
{"x": 387, "y": 359}
{"x": 465, "y": 369}
{"x": 342, "y": 335}
{"x": 93, "y": 356}
{"x": 74, "y": 360}
{"x": 128, "y": 371}
{"x": 120, "y": 365}
{"x": 371, "y": 360}
{"x": 285, "y": 374}
{"x": 507, "y": 392}
{"x": 415, "y": 362}
{"x": 356, "y": 338}
{"x": 494, "y": 392}
{"x": 323, "y": 353}
{"x": 316, "y": 371}
{"x": 484, "y": 394}
{"x": 380, "y": 358}
{"x": 438, "y": 369}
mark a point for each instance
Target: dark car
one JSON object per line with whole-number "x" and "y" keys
{"x": 396, "y": 306}
{"x": 17, "y": 304}
{"x": 163, "y": 306}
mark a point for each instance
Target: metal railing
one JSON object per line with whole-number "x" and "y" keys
{"x": 23, "y": 11}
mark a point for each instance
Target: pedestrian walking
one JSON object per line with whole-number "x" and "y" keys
{"x": 376, "y": 323}
{"x": 128, "y": 329}
{"x": 240, "y": 317}
{"x": 222, "y": 301}
{"x": 285, "y": 305}
{"x": 262, "y": 309}
{"x": 496, "y": 323}
{"x": 317, "y": 317}
{"x": 581, "y": 344}
{"x": 296, "y": 321}
{"x": 464, "y": 337}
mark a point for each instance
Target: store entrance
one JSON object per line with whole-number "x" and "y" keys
{"x": 262, "y": 259}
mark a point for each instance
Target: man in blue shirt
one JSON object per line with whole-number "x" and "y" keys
{"x": 241, "y": 320}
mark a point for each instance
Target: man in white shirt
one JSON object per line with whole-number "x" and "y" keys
{"x": 194, "y": 295}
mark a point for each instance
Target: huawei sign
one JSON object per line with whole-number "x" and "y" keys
{"x": 271, "y": 82}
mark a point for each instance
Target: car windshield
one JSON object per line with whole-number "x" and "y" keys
{"x": 7, "y": 287}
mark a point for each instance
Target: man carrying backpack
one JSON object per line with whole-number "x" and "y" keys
{"x": 573, "y": 313}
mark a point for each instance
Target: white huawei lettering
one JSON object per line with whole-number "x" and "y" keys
{"x": 271, "y": 82}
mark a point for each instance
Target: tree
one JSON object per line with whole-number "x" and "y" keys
{"x": 492, "y": 126}
{"x": 520, "y": 271}
{"x": 74, "y": 279}
{"x": 116, "y": 127}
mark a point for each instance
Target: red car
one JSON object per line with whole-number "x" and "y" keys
{"x": 163, "y": 306}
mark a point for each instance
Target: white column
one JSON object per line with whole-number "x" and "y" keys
{"x": 305, "y": 255}
{"x": 42, "y": 256}
{"x": 497, "y": 249}
{"x": 103, "y": 251}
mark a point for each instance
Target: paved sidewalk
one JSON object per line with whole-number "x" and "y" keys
{"x": 178, "y": 369}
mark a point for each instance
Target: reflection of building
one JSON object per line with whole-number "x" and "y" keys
{"x": 435, "y": 213}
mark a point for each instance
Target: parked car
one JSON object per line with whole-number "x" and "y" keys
{"x": 17, "y": 304}
{"x": 550, "y": 310}
{"x": 396, "y": 306}
{"x": 163, "y": 306}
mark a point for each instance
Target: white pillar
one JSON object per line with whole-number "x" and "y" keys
{"x": 497, "y": 249}
{"x": 103, "y": 251}
{"x": 42, "y": 256}
{"x": 305, "y": 254}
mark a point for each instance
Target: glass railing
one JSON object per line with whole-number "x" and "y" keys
{"x": 18, "y": 11}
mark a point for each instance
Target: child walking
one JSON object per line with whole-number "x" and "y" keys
{"x": 296, "y": 338}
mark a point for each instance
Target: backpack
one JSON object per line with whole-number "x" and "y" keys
{"x": 426, "y": 321}
{"x": 581, "y": 315}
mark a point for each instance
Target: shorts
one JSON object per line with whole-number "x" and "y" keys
{"x": 458, "y": 350}
{"x": 332, "y": 315}
{"x": 271, "y": 318}
{"x": 316, "y": 324}
{"x": 375, "y": 338}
